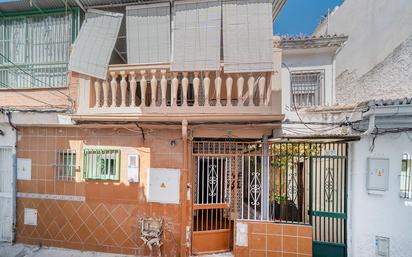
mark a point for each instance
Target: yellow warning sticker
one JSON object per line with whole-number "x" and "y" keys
{"x": 163, "y": 185}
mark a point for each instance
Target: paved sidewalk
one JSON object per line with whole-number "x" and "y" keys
{"x": 21, "y": 250}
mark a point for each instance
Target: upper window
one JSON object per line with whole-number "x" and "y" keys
{"x": 101, "y": 164}
{"x": 35, "y": 49}
{"x": 406, "y": 177}
{"x": 306, "y": 88}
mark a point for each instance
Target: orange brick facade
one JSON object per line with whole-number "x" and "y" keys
{"x": 268, "y": 239}
{"x": 107, "y": 219}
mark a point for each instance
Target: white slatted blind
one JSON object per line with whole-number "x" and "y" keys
{"x": 196, "y": 35}
{"x": 247, "y": 35}
{"x": 148, "y": 33}
{"x": 94, "y": 44}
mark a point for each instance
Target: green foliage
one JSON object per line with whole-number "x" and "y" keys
{"x": 290, "y": 153}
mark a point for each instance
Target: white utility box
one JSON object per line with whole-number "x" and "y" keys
{"x": 163, "y": 185}
{"x": 382, "y": 246}
{"x": 241, "y": 234}
{"x": 378, "y": 174}
{"x": 133, "y": 168}
{"x": 23, "y": 169}
{"x": 30, "y": 216}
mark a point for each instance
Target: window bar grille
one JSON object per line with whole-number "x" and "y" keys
{"x": 65, "y": 164}
{"x": 306, "y": 88}
{"x": 406, "y": 177}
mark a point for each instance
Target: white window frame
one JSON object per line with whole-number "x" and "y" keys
{"x": 65, "y": 165}
{"x": 405, "y": 182}
{"x": 319, "y": 97}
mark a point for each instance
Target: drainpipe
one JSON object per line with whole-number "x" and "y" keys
{"x": 265, "y": 179}
{"x": 185, "y": 226}
{"x": 371, "y": 127}
{"x": 14, "y": 180}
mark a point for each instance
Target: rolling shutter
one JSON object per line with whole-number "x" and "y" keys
{"x": 247, "y": 36}
{"x": 94, "y": 44}
{"x": 196, "y": 37}
{"x": 148, "y": 33}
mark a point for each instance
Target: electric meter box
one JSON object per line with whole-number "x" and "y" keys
{"x": 378, "y": 174}
{"x": 163, "y": 185}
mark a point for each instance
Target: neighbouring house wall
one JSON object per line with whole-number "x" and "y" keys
{"x": 107, "y": 219}
{"x": 268, "y": 239}
{"x": 389, "y": 79}
{"x": 376, "y": 30}
{"x": 379, "y": 215}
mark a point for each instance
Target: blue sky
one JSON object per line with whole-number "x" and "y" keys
{"x": 302, "y": 16}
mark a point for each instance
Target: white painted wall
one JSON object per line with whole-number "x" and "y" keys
{"x": 375, "y": 28}
{"x": 9, "y": 137}
{"x": 383, "y": 215}
{"x": 375, "y": 62}
{"x": 307, "y": 60}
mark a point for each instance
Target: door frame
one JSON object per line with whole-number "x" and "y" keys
{"x": 7, "y": 217}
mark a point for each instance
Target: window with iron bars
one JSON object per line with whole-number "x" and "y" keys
{"x": 65, "y": 165}
{"x": 101, "y": 164}
{"x": 306, "y": 88}
{"x": 406, "y": 177}
{"x": 35, "y": 48}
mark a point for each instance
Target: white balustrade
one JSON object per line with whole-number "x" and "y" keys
{"x": 218, "y": 86}
{"x": 194, "y": 87}
{"x": 229, "y": 83}
{"x": 123, "y": 88}
{"x": 153, "y": 87}
{"x": 163, "y": 85}
{"x": 143, "y": 86}
{"x": 97, "y": 86}
{"x": 240, "y": 83}
{"x": 133, "y": 88}
{"x": 113, "y": 86}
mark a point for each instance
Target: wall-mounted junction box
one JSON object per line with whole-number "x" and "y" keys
{"x": 382, "y": 246}
{"x": 378, "y": 175}
{"x": 30, "y": 216}
{"x": 163, "y": 185}
{"x": 133, "y": 168}
{"x": 241, "y": 234}
{"x": 23, "y": 169}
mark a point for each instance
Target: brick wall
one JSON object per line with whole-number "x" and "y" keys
{"x": 268, "y": 239}
{"x": 107, "y": 219}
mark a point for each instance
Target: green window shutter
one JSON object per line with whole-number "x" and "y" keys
{"x": 101, "y": 164}
{"x": 36, "y": 47}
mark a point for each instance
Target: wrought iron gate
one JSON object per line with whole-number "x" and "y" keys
{"x": 329, "y": 200}
{"x": 213, "y": 177}
{"x": 286, "y": 182}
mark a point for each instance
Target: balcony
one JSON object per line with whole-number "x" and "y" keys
{"x": 154, "y": 93}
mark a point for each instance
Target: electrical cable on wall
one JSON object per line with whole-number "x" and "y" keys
{"x": 30, "y": 75}
{"x": 25, "y": 95}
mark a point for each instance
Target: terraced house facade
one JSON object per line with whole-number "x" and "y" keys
{"x": 152, "y": 128}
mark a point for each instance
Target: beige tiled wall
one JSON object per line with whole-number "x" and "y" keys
{"x": 107, "y": 220}
{"x": 268, "y": 239}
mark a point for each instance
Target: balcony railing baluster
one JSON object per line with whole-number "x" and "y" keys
{"x": 123, "y": 92}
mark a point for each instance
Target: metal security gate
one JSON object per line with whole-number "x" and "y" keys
{"x": 329, "y": 200}
{"x": 213, "y": 170}
{"x": 6, "y": 180}
{"x": 302, "y": 183}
